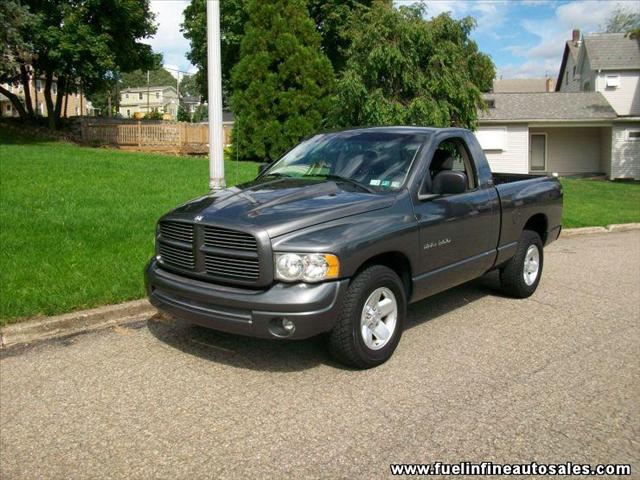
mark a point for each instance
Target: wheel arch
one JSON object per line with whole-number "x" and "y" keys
{"x": 538, "y": 223}
{"x": 396, "y": 261}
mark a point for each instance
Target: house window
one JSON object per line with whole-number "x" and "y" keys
{"x": 634, "y": 135}
{"x": 9, "y": 107}
{"x": 77, "y": 109}
{"x": 574, "y": 70}
{"x": 40, "y": 108}
{"x": 38, "y": 85}
{"x": 54, "y": 88}
{"x": 612, "y": 81}
{"x": 157, "y": 94}
{"x": 128, "y": 113}
{"x": 140, "y": 96}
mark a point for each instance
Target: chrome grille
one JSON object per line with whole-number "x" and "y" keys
{"x": 182, "y": 232}
{"x": 229, "y": 239}
{"x": 177, "y": 257}
{"x": 247, "y": 269}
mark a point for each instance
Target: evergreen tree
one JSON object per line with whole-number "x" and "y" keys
{"x": 282, "y": 83}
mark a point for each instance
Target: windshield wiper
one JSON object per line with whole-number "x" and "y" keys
{"x": 278, "y": 174}
{"x": 351, "y": 181}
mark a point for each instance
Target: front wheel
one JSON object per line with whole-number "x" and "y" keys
{"x": 521, "y": 275}
{"x": 371, "y": 320}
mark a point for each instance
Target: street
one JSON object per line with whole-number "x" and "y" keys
{"x": 476, "y": 377}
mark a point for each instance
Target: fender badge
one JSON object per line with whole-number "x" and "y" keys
{"x": 197, "y": 218}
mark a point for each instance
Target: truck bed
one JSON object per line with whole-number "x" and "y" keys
{"x": 501, "y": 178}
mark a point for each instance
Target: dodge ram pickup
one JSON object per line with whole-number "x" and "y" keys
{"x": 345, "y": 230}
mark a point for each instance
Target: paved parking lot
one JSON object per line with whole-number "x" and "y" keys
{"x": 477, "y": 377}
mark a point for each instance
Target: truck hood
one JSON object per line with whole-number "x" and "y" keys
{"x": 281, "y": 205}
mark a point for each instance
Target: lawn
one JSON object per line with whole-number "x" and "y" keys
{"x": 77, "y": 224}
{"x": 597, "y": 202}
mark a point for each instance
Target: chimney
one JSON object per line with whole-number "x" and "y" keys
{"x": 575, "y": 35}
{"x": 549, "y": 85}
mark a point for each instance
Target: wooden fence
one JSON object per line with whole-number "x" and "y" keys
{"x": 174, "y": 137}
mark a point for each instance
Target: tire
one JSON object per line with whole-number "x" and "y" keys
{"x": 348, "y": 340}
{"x": 515, "y": 281}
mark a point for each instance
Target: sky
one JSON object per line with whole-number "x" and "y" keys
{"x": 525, "y": 38}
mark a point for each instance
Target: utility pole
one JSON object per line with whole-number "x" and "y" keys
{"x": 214, "y": 83}
{"x": 148, "y": 94}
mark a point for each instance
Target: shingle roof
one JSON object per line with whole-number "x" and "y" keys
{"x": 521, "y": 85}
{"x": 547, "y": 106}
{"x": 612, "y": 51}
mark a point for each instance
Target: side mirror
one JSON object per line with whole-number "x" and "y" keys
{"x": 449, "y": 182}
{"x": 262, "y": 167}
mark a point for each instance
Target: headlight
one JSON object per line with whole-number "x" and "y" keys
{"x": 306, "y": 267}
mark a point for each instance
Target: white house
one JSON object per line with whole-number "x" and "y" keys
{"x": 589, "y": 125}
{"x": 162, "y": 99}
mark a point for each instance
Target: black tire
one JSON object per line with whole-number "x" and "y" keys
{"x": 345, "y": 341}
{"x": 512, "y": 274}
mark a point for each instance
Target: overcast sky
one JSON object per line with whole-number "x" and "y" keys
{"x": 524, "y": 38}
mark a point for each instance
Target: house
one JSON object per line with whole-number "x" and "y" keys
{"x": 523, "y": 85}
{"x": 589, "y": 125}
{"x": 74, "y": 104}
{"x": 142, "y": 100}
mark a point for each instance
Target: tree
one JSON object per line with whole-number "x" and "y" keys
{"x": 16, "y": 49}
{"x": 158, "y": 77}
{"x": 80, "y": 43}
{"x": 403, "y": 69}
{"x": 201, "y": 114}
{"x": 183, "y": 116}
{"x": 623, "y": 20}
{"x": 232, "y": 20}
{"x": 189, "y": 86}
{"x": 332, "y": 18}
{"x": 283, "y": 81}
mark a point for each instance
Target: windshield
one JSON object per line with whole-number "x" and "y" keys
{"x": 376, "y": 161}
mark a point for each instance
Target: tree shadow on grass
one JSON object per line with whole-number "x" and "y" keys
{"x": 15, "y": 132}
{"x": 290, "y": 356}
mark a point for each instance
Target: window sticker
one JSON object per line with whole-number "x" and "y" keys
{"x": 385, "y": 183}
{"x": 375, "y": 183}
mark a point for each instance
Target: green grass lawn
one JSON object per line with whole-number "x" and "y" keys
{"x": 597, "y": 203}
{"x": 77, "y": 224}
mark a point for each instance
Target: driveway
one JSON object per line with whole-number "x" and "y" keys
{"x": 477, "y": 377}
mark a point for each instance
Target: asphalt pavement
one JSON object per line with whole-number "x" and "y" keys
{"x": 476, "y": 377}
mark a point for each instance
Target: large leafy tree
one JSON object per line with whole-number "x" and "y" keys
{"x": 158, "y": 77}
{"x": 283, "y": 81}
{"x": 80, "y": 43}
{"x": 189, "y": 86}
{"x": 332, "y": 18}
{"x": 623, "y": 20}
{"x": 232, "y": 20}
{"x": 16, "y": 49}
{"x": 404, "y": 69}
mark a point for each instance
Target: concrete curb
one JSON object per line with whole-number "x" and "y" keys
{"x": 617, "y": 227}
{"x": 75, "y": 322}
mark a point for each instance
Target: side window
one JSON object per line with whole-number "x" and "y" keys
{"x": 452, "y": 154}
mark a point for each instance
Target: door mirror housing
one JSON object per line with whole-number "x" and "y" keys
{"x": 449, "y": 182}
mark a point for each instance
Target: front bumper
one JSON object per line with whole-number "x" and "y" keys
{"x": 312, "y": 308}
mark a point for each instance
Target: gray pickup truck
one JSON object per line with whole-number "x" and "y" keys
{"x": 344, "y": 231}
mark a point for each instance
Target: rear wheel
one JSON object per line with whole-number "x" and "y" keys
{"x": 371, "y": 320}
{"x": 521, "y": 275}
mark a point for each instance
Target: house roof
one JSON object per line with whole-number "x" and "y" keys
{"x": 570, "y": 48}
{"x": 563, "y": 106}
{"x": 612, "y": 51}
{"x": 151, "y": 89}
{"x": 521, "y": 85}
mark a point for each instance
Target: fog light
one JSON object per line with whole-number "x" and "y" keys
{"x": 288, "y": 325}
